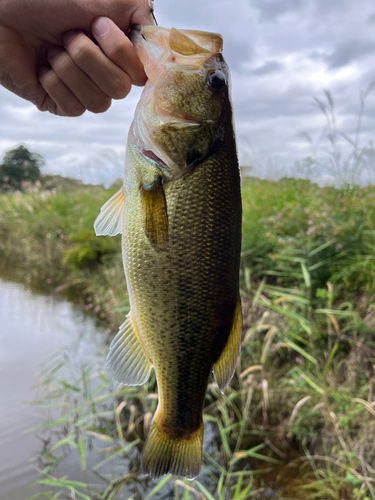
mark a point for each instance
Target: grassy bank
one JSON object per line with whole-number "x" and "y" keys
{"x": 48, "y": 237}
{"x": 299, "y": 417}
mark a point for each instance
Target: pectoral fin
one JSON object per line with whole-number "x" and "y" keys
{"x": 225, "y": 366}
{"x": 127, "y": 360}
{"x": 110, "y": 220}
{"x": 155, "y": 216}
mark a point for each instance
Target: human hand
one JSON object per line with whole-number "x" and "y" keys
{"x": 48, "y": 56}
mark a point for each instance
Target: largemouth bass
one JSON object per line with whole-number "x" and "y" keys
{"x": 179, "y": 212}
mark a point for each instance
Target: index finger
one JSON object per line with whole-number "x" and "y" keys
{"x": 118, "y": 48}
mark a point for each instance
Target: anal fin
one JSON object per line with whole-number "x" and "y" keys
{"x": 110, "y": 220}
{"x": 127, "y": 360}
{"x": 225, "y": 366}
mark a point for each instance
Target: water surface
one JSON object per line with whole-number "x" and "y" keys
{"x": 34, "y": 328}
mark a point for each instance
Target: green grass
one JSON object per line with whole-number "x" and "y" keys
{"x": 299, "y": 414}
{"x": 48, "y": 237}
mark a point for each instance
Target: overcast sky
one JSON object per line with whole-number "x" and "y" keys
{"x": 282, "y": 54}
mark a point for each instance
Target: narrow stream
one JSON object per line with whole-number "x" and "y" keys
{"x": 33, "y": 328}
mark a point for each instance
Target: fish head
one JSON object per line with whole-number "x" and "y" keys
{"x": 181, "y": 117}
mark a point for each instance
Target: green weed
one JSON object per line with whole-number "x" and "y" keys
{"x": 298, "y": 420}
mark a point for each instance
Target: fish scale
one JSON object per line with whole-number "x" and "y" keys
{"x": 180, "y": 220}
{"x": 203, "y": 223}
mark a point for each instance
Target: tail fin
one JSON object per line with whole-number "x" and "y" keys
{"x": 164, "y": 454}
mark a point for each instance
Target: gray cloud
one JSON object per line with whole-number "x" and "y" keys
{"x": 348, "y": 51}
{"x": 270, "y": 10}
{"x": 281, "y": 55}
{"x": 267, "y": 68}
{"x": 317, "y": 55}
{"x": 237, "y": 53}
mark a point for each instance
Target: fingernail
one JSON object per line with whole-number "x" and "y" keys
{"x": 68, "y": 36}
{"x": 100, "y": 27}
{"x": 53, "y": 51}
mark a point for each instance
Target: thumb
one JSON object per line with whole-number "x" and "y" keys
{"x": 143, "y": 14}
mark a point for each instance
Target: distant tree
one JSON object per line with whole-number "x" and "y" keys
{"x": 19, "y": 168}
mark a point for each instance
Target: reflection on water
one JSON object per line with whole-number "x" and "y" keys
{"x": 33, "y": 328}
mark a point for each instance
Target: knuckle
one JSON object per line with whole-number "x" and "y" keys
{"x": 48, "y": 79}
{"x": 118, "y": 49}
{"x": 53, "y": 52}
{"x": 50, "y": 82}
{"x": 99, "y": 105}
{"x": 60, "y": 61}
{"x": 121, "y": 89}
{"x": 77, "y": 109}
{"x": 81, "y": 52}
{"x": 140, "y": 79}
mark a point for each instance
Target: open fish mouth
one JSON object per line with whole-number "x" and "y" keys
{"x": 200, "y": 41}
{"x": 189, "y": 48}
{"x": 156, "y": 47}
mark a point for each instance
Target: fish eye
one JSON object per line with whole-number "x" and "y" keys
{"x": 216, "y": 79}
